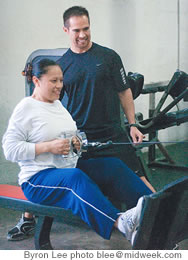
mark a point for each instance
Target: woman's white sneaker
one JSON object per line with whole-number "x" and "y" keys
{"x": 129, "y": 221}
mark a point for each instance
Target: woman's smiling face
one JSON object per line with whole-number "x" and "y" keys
{"x": 48, "y": 87}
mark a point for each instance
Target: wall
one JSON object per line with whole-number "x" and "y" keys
{"x": 143, "y": 32}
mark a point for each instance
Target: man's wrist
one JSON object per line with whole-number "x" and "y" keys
{"x": 134, "y": 125}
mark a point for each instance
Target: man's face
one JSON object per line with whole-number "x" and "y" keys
{"x": 78, "y": 30}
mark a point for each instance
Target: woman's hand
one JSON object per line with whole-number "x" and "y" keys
{"x": 57, "y": 146}
{"x": 60, "y": 146}
{"x": 76, "y": 143}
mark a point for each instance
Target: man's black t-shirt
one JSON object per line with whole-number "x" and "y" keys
{"x": 92, "y": 81}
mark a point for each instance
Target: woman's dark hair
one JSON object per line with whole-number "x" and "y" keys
{"x": 74, "y": 11}
{"x": 38, "y": 69}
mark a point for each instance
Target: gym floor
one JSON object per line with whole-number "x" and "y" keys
{"x": 73, "y": 234}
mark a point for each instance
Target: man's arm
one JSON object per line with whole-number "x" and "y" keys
{"x": 127, "y": 103}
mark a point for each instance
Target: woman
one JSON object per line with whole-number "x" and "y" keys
{"x": 33, "y": 140}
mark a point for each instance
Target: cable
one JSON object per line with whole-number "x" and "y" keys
{"x": 108, "y": 143}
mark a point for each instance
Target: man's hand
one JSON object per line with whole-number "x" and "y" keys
{"x": 136, "y": 135}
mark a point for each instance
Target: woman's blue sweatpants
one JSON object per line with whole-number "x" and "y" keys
{"x": 82, "y": 190}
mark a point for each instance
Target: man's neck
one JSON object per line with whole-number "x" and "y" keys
{"x": 78, "y": 50}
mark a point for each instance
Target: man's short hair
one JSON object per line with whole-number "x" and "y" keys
{"x": 74, "y": 11}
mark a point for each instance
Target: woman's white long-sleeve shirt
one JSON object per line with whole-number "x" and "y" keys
{"x": 34, "y": 122}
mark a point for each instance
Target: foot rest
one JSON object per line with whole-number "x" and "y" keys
{"x": 164, "y": 220}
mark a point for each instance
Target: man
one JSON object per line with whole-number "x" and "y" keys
{"x": 96, "y": 84}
